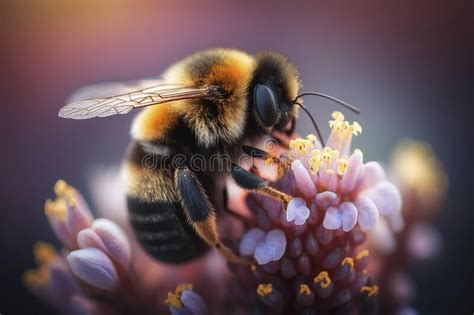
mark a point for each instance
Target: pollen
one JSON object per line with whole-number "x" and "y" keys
{"x": 362, "y": 254}
{"x": 337, "y": 116}
{"x": 301, "y": 146}
{"x": 323, "y": 279}
{"x": 314, "y": 164}
{"x": 56, "y": 208}
{"x": 264, "y": 289}
{"x": 304, "y": 289}
{"x": 342, "y": 165}
{"x": 174, "y": 300}
{"x": 63, "y": 189}
{"x": 355, "y": 128}
{"x": 44, "y": 254}
{"x": 348, "y": 261}
{"x": 65, "y": 194}
{"x": 371, "y": 290}
{"x": 311, "y": 138}
{"x": 328, "y": 154}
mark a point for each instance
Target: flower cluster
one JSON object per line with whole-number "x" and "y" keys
{"x": 94, "y": 274}
{"x": 309, "y": 257}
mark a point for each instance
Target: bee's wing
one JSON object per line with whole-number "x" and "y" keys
{"x": 106, "y": 89}
{"x": 126, "y": 101}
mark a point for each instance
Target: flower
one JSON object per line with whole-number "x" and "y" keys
{"x": 309, "y": 256}
{"x": 184, "y": 301}
{"x": 102, "y": 269}
{"x": 408, "y": 236}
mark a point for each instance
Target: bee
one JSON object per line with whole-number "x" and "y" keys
{"x": 209, "y": 104}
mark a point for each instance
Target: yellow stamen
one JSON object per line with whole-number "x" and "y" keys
{"x": 342, "y": 165}
{"x": 323, "y": 279}
{"x": 314, "y": 164}
{"x": 264, "y": 289}
{"x": 56, "y": 208}
{"x": 348, "y": 261}
{"x": 328, "y": 154}
{"x": 371, "y": 290}
{"x": 338, "y": 116}
{"x": 183, "y": 287}
{"x": 362, "y": 254}
{"x": 174, "y": 300}
{"x": 65, "y": 194}
{"x": 301, "y": 146}
{"x": 355, "y": 128}
{"x": 311, "y": 138}
{"x": 304, "y": 289}
{"x": 44, "y": 254}
{"x": 63, "y": 189}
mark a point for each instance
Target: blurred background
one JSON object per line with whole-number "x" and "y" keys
{"x": 407, "y": 65}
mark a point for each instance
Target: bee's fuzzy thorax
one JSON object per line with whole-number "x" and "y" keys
{"x": 211, "y": 120}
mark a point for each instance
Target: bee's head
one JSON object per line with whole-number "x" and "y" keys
{"x": 272, "y": 93}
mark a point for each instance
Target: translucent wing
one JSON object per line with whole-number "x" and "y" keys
{"x": 124, "y": 103}
{"x": 106, "y": 89}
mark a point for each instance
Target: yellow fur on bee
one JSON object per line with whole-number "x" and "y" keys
{"x": 149, "y": 185}
{"x": 153, "y": 123}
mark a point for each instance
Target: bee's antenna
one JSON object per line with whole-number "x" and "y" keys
{"x": 312, "y": 120}
{"x": 349, "y": 106}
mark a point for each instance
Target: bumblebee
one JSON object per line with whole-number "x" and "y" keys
{"x": 210, "y": 104}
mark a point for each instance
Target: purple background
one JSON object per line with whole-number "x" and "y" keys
{"x": 405, "y": 64}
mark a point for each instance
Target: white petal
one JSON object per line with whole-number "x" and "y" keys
{"x": 386, "y": 197}
{"x": 271, "y": 248}
{"x": 250, "y": 240}
{"x": 368, "y": 214}
{"x": 349, "y": 215}
{"x": 303, "y": 180}
{"x": 332, "y": 219}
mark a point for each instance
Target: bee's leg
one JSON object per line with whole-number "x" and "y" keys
{"x": 268, "y": 158}
{"x": 247, "y": 180}
{"x": 200, "y": 212}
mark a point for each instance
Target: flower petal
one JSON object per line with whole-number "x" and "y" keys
{"x": 302, "y": 215}
{"x": 326, "y": 199}
{"x": 250, "y": 240}
{"x": 78, "y": 216}
{"x": 94, "y": 267}
{"x": 349, "y": 215}
{"x": 383, "y": 238}
{"x": 386, "y": 197}
{"x": 89, "y": 238}
{"x": 349, "y": 179}
{"x": 297, "y": 211}
{"x": 115, "y": 240}
{"x": 368, "y": 214}
{"x": 303, "y": 180}
{"x": 271, "y": 248}
{"x": 194, "y": 302}
{"x": 370, "y": 174}
{"x": 332, "y": 219}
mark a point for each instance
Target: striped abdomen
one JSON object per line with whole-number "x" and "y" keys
{"x": 155, "y": 212}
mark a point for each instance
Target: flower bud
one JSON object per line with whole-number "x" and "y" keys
{"x": 116, "y": 243}
{"x": 94, "y": 267}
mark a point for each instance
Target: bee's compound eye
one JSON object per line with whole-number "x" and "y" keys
{"x": 265, "y": 105}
